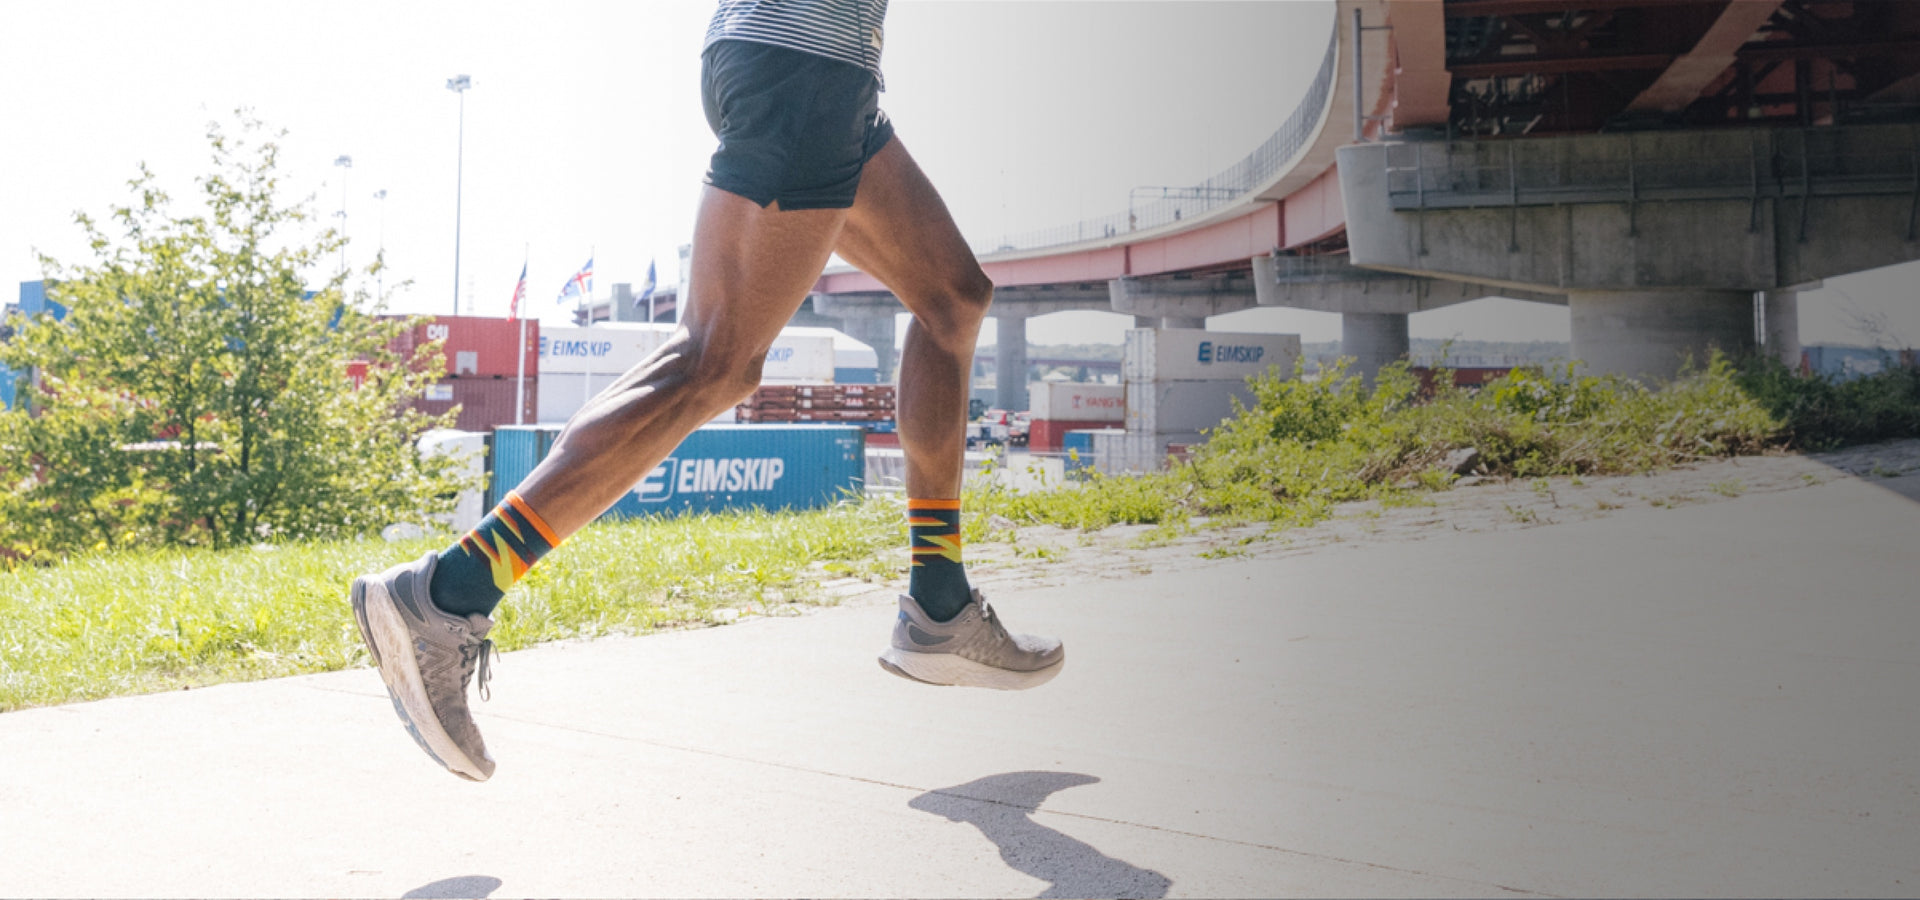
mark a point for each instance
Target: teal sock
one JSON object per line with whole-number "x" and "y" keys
{"x": 473, "y": 575}
{"x": 939, "y": 579}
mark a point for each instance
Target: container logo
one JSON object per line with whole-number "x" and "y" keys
{"x": 438, "y": 332}
{"x": 780, "y": 355}
{"x": 558, "y": 348}
{"x": 1230, "y": 353}
{"x": 705, "y": 476}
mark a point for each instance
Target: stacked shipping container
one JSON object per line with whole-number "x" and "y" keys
{"x": 1062, "y": 406}
{"x": 1183, "y": 381}
{"x": 483, "y": 370}
{"x": 863, "y": 403}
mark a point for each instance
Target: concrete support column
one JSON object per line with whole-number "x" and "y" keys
{"x": 1183, "y": 322}
{"x": 1780, "y": 325}
{"x": 1010, "y": 368}
{"x": 1648, "y": 334}
{"x": 1146, "y": 322}
{"x": 875, "y": 332}
{"x": 1373, "y": 340}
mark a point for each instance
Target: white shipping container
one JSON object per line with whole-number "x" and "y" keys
{"x": 799, "y": 359}
{"x": 1125, "y": 452}
{"x": 606, "y": 349}
{"x": 848, "y": 352}
{"x": 562, "y": 395}
{"x": 1187, "y": 406}
{"x": 1074, "y": 401}
{"x": 1193, "y": 354}
{"x": 469, "y": 448}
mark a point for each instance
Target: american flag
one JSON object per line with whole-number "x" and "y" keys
{"x": 580, "y": 285}
{"x": 519, "y": 293}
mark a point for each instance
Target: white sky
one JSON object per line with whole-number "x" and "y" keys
{"x": 584, "y": 132}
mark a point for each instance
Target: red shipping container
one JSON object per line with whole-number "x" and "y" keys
{"x": 478, "y": 345}
{"x": 485, "y": 403}
{"x": 1049, "y": 434}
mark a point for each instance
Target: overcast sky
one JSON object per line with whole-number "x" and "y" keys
{"x": 584, "y": 134}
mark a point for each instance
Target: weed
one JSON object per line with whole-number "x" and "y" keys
{"x": 1729, "y": 488}
{"x": 1523, "y": 515}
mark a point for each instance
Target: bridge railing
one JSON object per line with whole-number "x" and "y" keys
{"x": 1547, "y": 171}
{"x": 1228, "y": 186}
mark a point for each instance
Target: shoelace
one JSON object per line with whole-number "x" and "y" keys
{"x": 482, "y": 654}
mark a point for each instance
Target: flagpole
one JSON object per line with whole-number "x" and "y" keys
{"x": 520, "y": 378}
{"x": 586, "y": 321}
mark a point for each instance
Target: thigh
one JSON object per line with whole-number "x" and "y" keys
{"x": 900, "y": 232}
{"x": 751, "y": 268}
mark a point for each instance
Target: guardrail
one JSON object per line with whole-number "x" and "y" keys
{"x": 1230, "y": 185}
{"x": 1425, "y": 175}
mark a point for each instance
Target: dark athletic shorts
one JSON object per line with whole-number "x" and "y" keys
{"x": 793, "y": 126}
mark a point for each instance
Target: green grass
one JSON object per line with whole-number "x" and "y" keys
{"x": 137, "y": 621}
{"x": 1306, "y": 445}
{"x": 115, "y": 622}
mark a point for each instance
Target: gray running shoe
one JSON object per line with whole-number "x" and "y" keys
{"x": 973, "y": 649}
{"x": 427, "y": 657}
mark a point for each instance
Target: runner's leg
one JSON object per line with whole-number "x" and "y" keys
{"x": 900, "y": 232}
{"x": 753, "y": 266}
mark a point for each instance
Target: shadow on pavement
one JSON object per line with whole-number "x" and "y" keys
{"x": 463, "y": 886}
{"x": 1002, "y": 807}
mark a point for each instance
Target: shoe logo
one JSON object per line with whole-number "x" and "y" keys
{"x": 925, "y": 639}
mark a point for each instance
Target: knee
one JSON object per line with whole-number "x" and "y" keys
{"x": 720, "y": 378}
{"x": 960, "y": 305}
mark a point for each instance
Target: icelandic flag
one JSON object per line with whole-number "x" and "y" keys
{"x": 519, "y": 293}
{"x": 580, "y": 285}
{"x": 645, "y": 295}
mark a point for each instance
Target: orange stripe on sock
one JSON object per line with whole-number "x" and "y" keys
{"x": 932, "y": 504}
{"x": 533, "y": 518}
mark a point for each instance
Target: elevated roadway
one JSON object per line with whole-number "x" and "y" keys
{"x": 1819, "y": 97}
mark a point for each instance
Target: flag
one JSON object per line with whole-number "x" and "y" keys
{"x": 519, "y": 293}
{"x": 580, "y": 285}
{"x": 646, "y": 293}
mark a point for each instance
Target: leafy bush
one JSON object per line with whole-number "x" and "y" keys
{"x": 1306, "y": 445}
{"x": 196, "y": 392}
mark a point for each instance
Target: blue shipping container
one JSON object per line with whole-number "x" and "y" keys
{"x": 33, "y": 300}
{"x": 719, "y": 467}
{"x": 7, "y": 379}
{"x": 1078, "y": 446}
{"x": 857, "y": 375}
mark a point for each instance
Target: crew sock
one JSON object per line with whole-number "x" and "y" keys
{"x": 473, "y": 574}
{"x": 939, "y": 579}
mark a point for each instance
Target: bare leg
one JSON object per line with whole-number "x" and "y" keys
{"x": 753, "y": 267}
{"x": 900, "y": 232}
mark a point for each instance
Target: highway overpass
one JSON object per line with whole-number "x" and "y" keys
{"x": 1672, "y": 170}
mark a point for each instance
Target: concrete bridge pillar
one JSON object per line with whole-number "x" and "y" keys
{"x": 1183, "y": 322}
{"x": 1780, "y": 325}
{"x": 876, "y": 332}
{"x": 1373, "y": 340}
{"x": 1649, "y": 334}
{"x": 1010, "y": 363}
{"x": 1146, "y": 322}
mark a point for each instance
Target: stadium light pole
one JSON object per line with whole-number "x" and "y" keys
{"x": 345, "y": 162}
{"x": 458, "y": 84}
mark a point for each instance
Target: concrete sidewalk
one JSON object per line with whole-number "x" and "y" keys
{"x": 1721, "y": 699}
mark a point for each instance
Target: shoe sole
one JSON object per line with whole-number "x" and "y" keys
{"x": 391, "y": 643}
{"x": 952, "y": 670}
